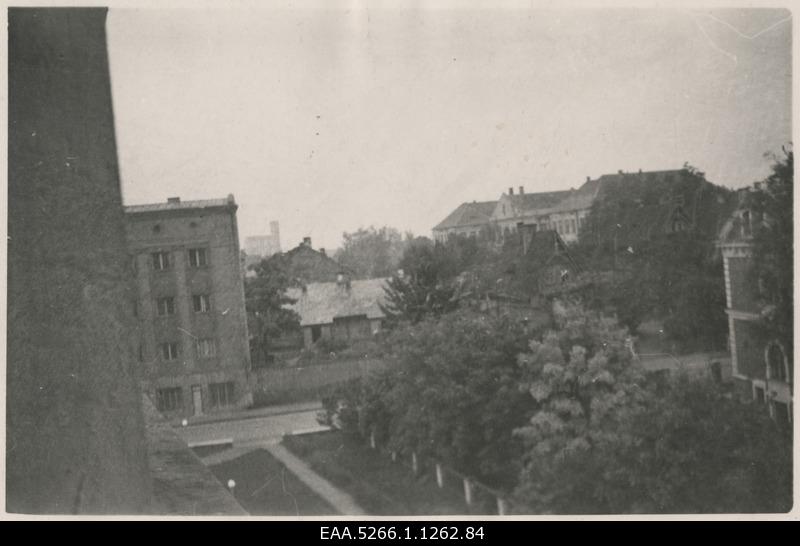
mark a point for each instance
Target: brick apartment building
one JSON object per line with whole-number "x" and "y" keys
{"x": 762, "y": 368}
{"x": 193, "y": 342}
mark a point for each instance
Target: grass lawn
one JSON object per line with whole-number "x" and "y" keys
{"x": 264, "y": 487}
{"x": 378, "y": 485}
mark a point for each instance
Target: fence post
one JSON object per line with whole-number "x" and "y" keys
{"x": 414, "y": 465}
{"x": 502, "y": 507}
{"x": 439, "y": 476}
{"x": 467, "y": 491}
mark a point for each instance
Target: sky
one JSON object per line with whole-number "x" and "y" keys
{"x": 331, "y": 120}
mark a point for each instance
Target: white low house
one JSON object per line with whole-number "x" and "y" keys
{"x": 343, "y": 310}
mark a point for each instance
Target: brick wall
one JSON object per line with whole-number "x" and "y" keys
{"x": 75, "y": 431}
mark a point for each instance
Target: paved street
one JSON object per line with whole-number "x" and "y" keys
{"x": 268, "y": 429}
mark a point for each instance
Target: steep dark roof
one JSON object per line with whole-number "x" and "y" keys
{"x": 468, "y": 214}
{"x": 544, "y": 247}
{"x": 308, "y": 265}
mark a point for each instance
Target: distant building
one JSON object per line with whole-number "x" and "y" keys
{"x": 468, "y": 220}
{"x": 562, "y": 211}
{"x": 306, "y": 265}
{"x": 566, "y": 212}
{"x": 346, "y": 310}
{"x": 263, "y": 246}
{"x": 761, "y": 366}
{"x": 193, "y": 344}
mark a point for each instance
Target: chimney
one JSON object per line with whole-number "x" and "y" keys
{"x": 511, "y": 191}
{"x": 588, "y": 179}
{"x": 307, "y": 241}
{"x": 522, "y": 190}
{"x": 322, "y": 251}
{"x": 173, "y": 200}
{"x": 620, "y": 172}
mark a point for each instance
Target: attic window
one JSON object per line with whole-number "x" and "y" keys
{"x": 747, "y": 228}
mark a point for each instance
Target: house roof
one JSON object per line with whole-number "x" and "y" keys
{"x": 467, "y": 214}
{"x": 321, "y": 302}
{"x": 177, "y": 204}
{"x": 545, "y": 246}
{"x": 538, "y": 201}
{"x": 579, "y": 199}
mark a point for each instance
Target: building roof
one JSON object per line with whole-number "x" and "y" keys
{"x": 321, "y": 302}
{"x": 538, "y": 201}
{"x": 467, "y": 214}
{"x": 177, "y": 204}
{"x": 579, "y": 199}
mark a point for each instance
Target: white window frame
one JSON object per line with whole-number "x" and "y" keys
{"x": 206, "y": 348}
{"x": 168, "y": 306}
{"x": 163, "y": 260}
{"x": 195, "y": 260}
{"x": 173, "y": 351}
{"x": 205, "y": 303}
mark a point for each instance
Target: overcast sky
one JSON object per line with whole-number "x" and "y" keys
{"x": 331, "y": 120}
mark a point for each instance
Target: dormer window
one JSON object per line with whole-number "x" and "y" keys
{"x": 747, "y": 227}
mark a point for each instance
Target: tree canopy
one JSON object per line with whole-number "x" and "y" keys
{"x": 371, "y": 252}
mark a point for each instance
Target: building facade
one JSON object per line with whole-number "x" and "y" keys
{"x": 345, "y": 310}
{"x": 564, "y": 212}
{"x": 192, "y": 338}
{"x": 761, "y": 366}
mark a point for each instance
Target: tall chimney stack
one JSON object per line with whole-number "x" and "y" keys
{"x": 522, "y": 190}
{"x": 307, "y": 241}
{"x": 511, "y": 191}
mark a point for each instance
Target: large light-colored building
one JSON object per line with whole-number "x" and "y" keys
{"x": 562, "y": 211}
{"x": 193, "y": 342}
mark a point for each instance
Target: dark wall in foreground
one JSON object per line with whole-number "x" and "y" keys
{"x": 75, "y": 436}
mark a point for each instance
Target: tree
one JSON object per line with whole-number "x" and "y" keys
{"x": 773, "y": 239}
{"x": 425, "y": 288}
{"x": 451, "y": 393}
{"x": 371, "y": 252}
{"x": 606, "y": 438}
{"x": 265, "y": 298}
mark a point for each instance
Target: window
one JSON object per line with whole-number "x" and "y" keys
{"x": 206, "y": 348}
{"x": 747, "y": 229}
{"x": 165, "y": 306}
{"x": 201, "y": 303}
{"x": 221, "y": 394}
{"x": 759, "y": 394}
{"x": 141, "y": 353}
{"x": 160, "y": 261}
{"x": 776, "y": 363}
{"x": 169, "y": 351}
{"x": 169, "y": 399}
{"x": 572, "y": 226}
{"x": 198, "y": 257}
